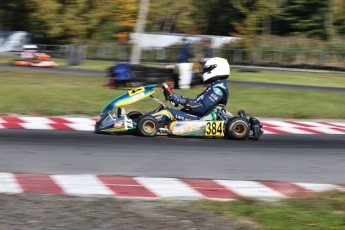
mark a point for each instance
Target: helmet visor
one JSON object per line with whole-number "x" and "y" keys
{"x": 208, "y": 68}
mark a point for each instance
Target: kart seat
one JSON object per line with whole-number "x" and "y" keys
{"x": 209, "y": 116}
{"x": 212, "y": 114}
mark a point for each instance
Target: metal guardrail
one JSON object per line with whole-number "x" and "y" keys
{"x": 277, "y": 58}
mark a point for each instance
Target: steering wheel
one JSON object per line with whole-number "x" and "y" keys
{"x": 168, "y": 91}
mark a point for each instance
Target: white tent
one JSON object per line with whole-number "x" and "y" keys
{"x": 13, "y": 40}
{"x": 161, "y": 40}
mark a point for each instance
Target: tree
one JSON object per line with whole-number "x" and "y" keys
{"x": 66, "y": 21}
{"x": 171, "y": 16}
{"x": 337, "y": 16}
{"x": 215, "y": 17}
{"x": 253, "y": 12}
{"x": 14, "y": 15}
{"x": 305, "y": 17}
{"x": 82, "y": 20}
{"x": 124, "y": 12}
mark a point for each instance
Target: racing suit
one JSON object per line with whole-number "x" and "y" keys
{"x": 194, "y": 109}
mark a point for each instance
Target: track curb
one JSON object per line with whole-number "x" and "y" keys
{"x": 157, "y": 188}
{"x": 271, "y": 126}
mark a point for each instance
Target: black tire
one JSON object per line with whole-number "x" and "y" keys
{"x": 134, "y": 115}
{"x": 148, "y": 126}
{"x": 242, "y": 113}
{"x": 237, "y": 128}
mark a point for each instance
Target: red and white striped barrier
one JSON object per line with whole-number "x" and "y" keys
{"x": 48, "y": 123}
{"x": 156, "y": 188}
{"x": 303, "y": 127}
{"x": 87, "y": 124}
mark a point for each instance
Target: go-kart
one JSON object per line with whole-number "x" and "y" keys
{"x": 35, "y": 60}
{"x": 216, "y": 123}
{"x": 34, "y": 63}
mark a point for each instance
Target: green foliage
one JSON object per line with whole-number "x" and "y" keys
{"x": 215, "y": 17}
{"x": 253, "y": 12}
{"x": 172, "y": 16}
{"x": 338, "y": 15}
{"x": 84, "y": 21}
{"x": 78, "y": 21}
{"x": 305, "y": 17}
{"x": 298, "y": 43}
{"x": 124, "y": 12}
{"x": 72, "y": 21}
{"x": 106, "y": 31}
{"x": 14, "y": 15}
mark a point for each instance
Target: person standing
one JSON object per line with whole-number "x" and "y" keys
{"x": 185, "y": 65}
{"x": 207, "y": 50}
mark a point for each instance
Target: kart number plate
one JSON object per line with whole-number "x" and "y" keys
{"x": 136, "y": 91}
{"x": 214, "y": 128}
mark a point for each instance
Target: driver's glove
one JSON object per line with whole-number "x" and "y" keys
{"x": 177, "y": 99}
{"x": 166, "y": 95}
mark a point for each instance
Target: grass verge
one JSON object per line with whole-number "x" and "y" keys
{"x": 320, "y": 212}
{"x": 38, "y": 93}
{"x": 293, "y": 78}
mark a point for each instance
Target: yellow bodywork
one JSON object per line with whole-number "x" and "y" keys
{"x": 135, "y": 95}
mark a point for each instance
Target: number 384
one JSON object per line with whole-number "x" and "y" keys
{"x": 214, "y": 128}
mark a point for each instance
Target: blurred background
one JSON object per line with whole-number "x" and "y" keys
{"x": 298, "y": 33}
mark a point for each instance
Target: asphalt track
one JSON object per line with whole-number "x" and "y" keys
{"x": 288, "y": 158}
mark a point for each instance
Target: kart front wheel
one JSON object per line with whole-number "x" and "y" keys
{"x": 148, "y": 126}
{"x": 237, "y": 128}
{"x": 134, "y": 115}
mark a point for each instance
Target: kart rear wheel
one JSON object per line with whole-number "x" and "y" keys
{"x": 237, "y": 128}
{"x": 148, "y": 126}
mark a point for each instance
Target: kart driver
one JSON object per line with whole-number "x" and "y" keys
{"x": 216, "y": 71}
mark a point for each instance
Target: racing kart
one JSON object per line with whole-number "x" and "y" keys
{"x": 35, "y": 60}
{"x": 216, "y": 123}
{"x": 34, "y": 63}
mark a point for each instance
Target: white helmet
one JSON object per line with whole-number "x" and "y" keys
{"x": 215, "y": 69}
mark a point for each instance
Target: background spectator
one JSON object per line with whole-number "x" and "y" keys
{"x": 185, "y": 65}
